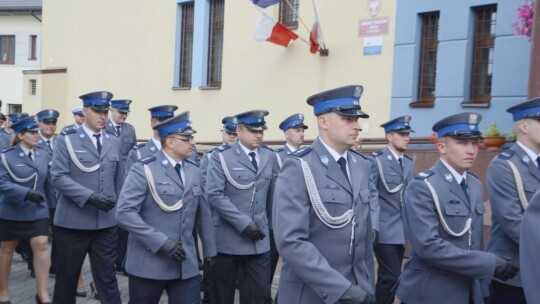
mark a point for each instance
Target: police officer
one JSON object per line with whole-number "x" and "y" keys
{"x": 392, "y": 170}
{"x": 293, "y": 128}
{"x": 158, "y": 207}
{"x": 47, "y": 120}
{"x": 78, "y": 119}
{"x": 529, "y": 248}
{"x": 322, "y": 223}
{"x": 240, "y": 183}
{"x": 24, "y": 192}
{"x": 443, "y": 218}
{"x": 116, "y": 124}
{"x": 512, "y": 179}
{"x": 5, "y": 137}
{"x": 157, "y": 114}
{"x": 86, "y": 170}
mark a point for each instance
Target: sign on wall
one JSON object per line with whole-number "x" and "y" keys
{"x": 373, "y": 26}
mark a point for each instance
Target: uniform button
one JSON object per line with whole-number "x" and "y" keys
{"x": 457, "y": 211}
{"x": 356, "y": 225}
{"x": 324, "y": 296}
{"x": 356, "y": 244}
{"x": 333, "y": 197}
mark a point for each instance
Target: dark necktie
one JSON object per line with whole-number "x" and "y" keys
{"x": 49, "y": 144}
{"x": 465, "y": 188}
{"x": 400, "y": 161}
{"x": 117, "y": 130}
{"x": 98, "y": 143}
{"x": 30, "y": 156}
{"x": 538, "y": 162}
{"x": 343, "y": 165}
{"x": 254, "y": 161}
{"x": 177, "y": 168}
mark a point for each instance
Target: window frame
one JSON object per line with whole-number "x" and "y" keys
{"x": 215, "y": 43}
{"x": 287, "y": 15}
{"x": 32, "y": 47}
{"x": 185, "y": 71}
{"x": 11, "y": 43}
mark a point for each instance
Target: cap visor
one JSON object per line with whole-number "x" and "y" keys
{"x": 256, "y": 128}
{"x": 353, "y": 112}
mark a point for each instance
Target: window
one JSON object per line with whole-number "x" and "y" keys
{"x": 215, "y": 43}
{"x": 186, "y": 45}
{"x": 32, "y": 87}
{"x": 482, "y": 60}
{"x": 7, "y": 49}
{"x": 428, "y": 60}
{"x": 14, "y": 108}
{"x": 288, "y": 13}
{"x": 32, "y": 48}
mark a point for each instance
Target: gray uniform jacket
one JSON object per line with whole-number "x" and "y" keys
{"x": 139, "y": 152}
{"x": 529, "y": 249}
{"x": 43, "y": 145}
{"x": 441, "y": 268}
{"x": 234, "y": 208}
{"x": 506, "y": 208}
{"x": 5, "y": 140}
{"x": 282, "y": 153}
{"x": 76, "y": 186}
{"x": 321, "y": 263}
{"x": 390, "y": 222}
{"x": 127, "y": 138}
{"x": 149, "y": 226}
{"x": 13, "y": 205}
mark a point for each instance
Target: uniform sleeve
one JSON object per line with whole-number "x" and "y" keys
{"x": 60, "y": 173}
{"x": 206, "y": 227}
{"x": 291, "y": 216}
{"x": 529, "y": 248}
{"x": 131, "y": 159}
{"x": 374, "y": 205}
{"x": 421, "y": 224}
{"x": 14, "y": 191}
{"x": 129, "y": 206}
{"x": 503, "y": 197}
{"x": 215, "y": 184}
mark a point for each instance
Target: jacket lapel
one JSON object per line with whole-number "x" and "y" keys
{"x": 169, "y": 169}
{"x": 529, "y": 163}
{"x": 333, "y": 171}
{"x": 263, "y": 159}
{"x": 106, "y": 143}
{"x": 24, "y": 157}
{"x": 242, "y": 157}
{"x": 356, "y": 174}
{"x": 110, "y": 127}
{"x": 454, "y": 186}
{"x": 87, "y": 143}
{"x": 188, "y": 175}
{"x": 392, "y": 162}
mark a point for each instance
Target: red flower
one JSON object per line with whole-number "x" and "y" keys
{"x": 524, "y": 22}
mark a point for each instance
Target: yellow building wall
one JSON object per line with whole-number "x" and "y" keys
{"x": 127, "y": 47}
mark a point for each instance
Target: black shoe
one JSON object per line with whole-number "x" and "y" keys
{"x": 38, "y": 301}
{"x": 32, "y": 274}
{"x": 5, "y": 302}
{"x": 81, "y": 294}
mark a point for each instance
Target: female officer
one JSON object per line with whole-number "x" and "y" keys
{"x": 24, "y": 179}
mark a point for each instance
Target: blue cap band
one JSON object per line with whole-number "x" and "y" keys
{"x": 526, "y": 113}
{"x": 120, "y": 106}
{"x": 325, "y": 106}
{"x": 397, "y": 126}
{"x": 229, "y": 125}
{"x": 458, "y": 127}
{"x": 95, "y": 101}
{"x": 251, "y": 120}
{"x": 26, "y": 126}
{"x": 178, "y": 127}
{"x": 292, "y": 123}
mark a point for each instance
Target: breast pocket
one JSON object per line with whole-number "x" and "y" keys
{"x": 335, "y": 201}
{"x": 84, "y": 157}
{"x": 456, "y": 215}
{"x": 113, "y": 157}
{"x": 165, "y": 190}
{"x": 393, "y": 180}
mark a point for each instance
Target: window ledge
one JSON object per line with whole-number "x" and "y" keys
{"x": 475, "y": 104}
{"x": 209, "y": 88}
{"x": 421, "y": 104}
{"x": 181, "y": 88}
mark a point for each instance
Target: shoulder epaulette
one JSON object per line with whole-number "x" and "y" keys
{"x": 469, "y": 172}
{"x": 377, "y": 153}
{"x": 279, "y": 149}
{"x": 223, "y": 148}
{"x": 136, "y": 147}
{"x": 424, "y": 175}
{"x": 407, "y": 156}
{"x": 69, "y": 131}
{"x": 267, "y": 147}
{"x": 148, "y": 159}
{"x": 196, "y": 164}
{"x": 507, "y": 154}
{"x": 301, "y": 152}
{"x": 358, "y": 153}
{"x": 212, "y": 150}
{"x": 41, "y": 147}
{"x": 8, "y": 149}
{"x": 110, "y": 132}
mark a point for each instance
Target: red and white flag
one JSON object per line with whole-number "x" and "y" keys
{"x": 315, "y": 35}
{"x": 268, "y": 29}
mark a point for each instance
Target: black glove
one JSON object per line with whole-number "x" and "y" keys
{"x": 209, "y": 264}
{"x": 174, "y": 250}
{"x": 356, "y": 295}
{"x": 375, "y": 237}
{"x": 504, "y": 269}
{"x": 101, "y": 202}
{"x": 253, "y": 232}
{"x": 34, "y": 196}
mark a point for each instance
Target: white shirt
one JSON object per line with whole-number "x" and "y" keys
{"x": 173, "y": 164}
{"x": 456, "y": 175}
{"x": 91, "y": 133}
{"x": 396, "y": 156}
{"x": 336, "y": 157}
{"x": 45, "y": 140}
{"x": 26, "y": 152}
{"x": 291, "y": 147}
{"x": 157, "y": 143}
{"x": 247, "y": 151}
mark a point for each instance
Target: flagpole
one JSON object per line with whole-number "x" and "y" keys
{"x": 263, "y": 12}
{"x": 320, "y": 28}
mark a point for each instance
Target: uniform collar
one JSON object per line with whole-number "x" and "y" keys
{"x": 333, "y": 152}
{"x": 172, "y": 161}
{"x": 396, "y": 156}
{"x": 89, "y": 132}
{"x": 23, "y": 148}
{"x": 156, "y": 142}
{"x": 247, "y": 151}
{"x": 291, "y": 147}
{"x": 529, "y": 152}
{"x": 456, "y": 175}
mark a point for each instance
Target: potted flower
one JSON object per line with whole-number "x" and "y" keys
{"x": 524, "y": 22}
{"x": 493, "y": 138}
